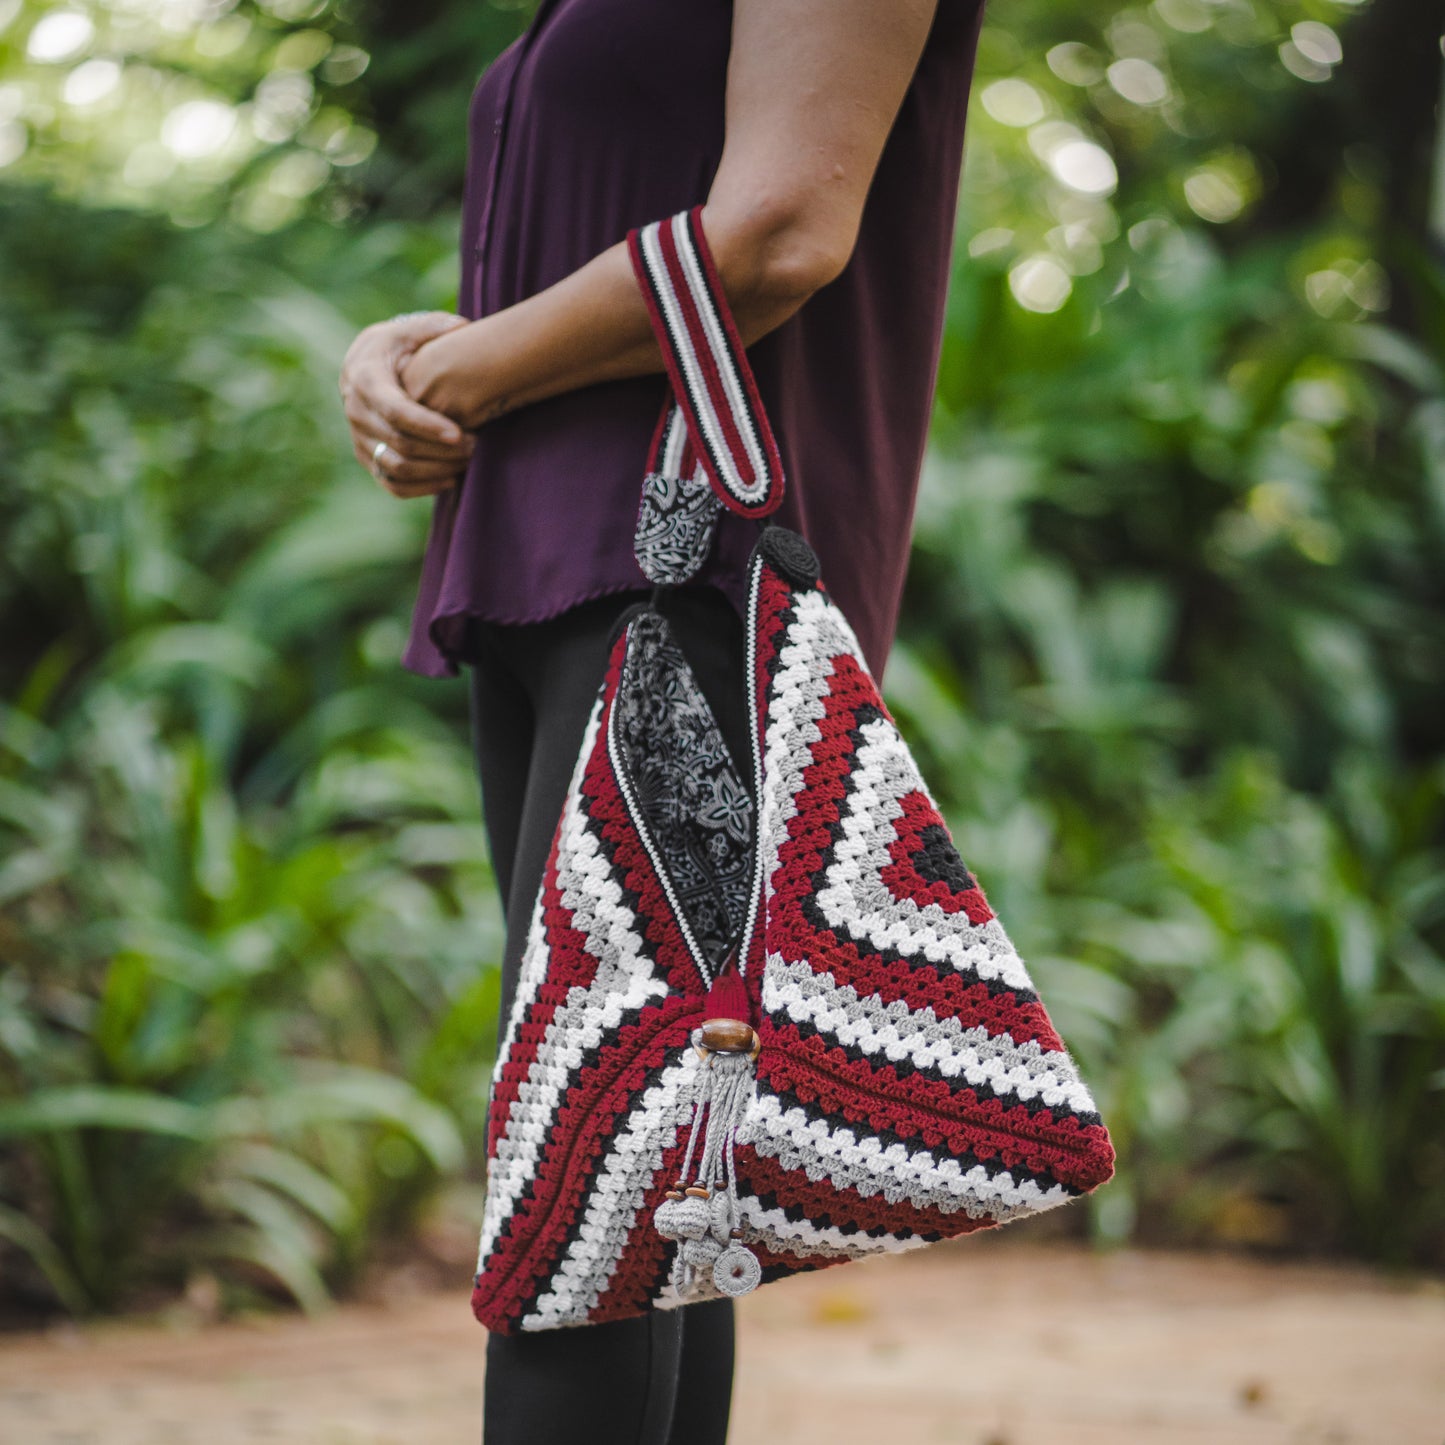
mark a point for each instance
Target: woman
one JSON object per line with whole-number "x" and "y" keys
{"x": 824, "y": 138}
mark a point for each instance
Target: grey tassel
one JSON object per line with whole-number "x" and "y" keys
{"x": 702, "y": 1215}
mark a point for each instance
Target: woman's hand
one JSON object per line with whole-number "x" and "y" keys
{"x": 455, "y": 374}
{"x": 410, "y": 449}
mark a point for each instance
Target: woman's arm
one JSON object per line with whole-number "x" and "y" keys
{"x": 813, "y": 87}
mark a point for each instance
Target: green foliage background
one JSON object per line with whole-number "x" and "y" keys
{"x": 1173, "y": 648}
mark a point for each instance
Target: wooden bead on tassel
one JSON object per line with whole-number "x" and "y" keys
{"x": 728, "y": 1036}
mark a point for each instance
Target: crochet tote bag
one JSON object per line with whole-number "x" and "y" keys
{"x": 762, "y": 1025}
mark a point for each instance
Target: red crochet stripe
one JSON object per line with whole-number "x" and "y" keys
{"x": 653, "y": 910}
{"x": 929, "y": 1111}
{"x": 949, "y": 995}
{"x": 844, "y": 1207}
{"x": 569, "y": 943}
{"x": 905, "y": 881}
{"x": 528, "y": 1255}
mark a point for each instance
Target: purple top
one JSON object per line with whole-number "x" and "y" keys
{"x": 608, "y": 114}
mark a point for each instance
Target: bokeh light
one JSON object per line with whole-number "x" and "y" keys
{"x": 60, "y": 35}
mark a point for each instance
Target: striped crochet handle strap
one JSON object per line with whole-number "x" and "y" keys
{"x": 713, "y": 415}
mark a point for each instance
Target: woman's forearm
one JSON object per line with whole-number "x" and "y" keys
{"x": 593, "y": 325}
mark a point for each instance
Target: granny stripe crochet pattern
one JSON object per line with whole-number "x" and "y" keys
{"x": 907, "y": 1085}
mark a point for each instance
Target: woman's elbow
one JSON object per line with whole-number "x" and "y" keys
{"x": 772, "y": 257}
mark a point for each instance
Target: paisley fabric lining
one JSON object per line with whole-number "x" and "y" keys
{"x": 675, "y": 524}
{"x": 685, "y": 784}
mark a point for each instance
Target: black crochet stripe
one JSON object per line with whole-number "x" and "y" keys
{"x": 812, "y": 911}
{"x": 591, "y": 1057}
{"x": 796, "y": 1214}
{"x": 967, "y": 1159}
{"x": 544, "y": 1280}
{"x": 905, "y": 1068}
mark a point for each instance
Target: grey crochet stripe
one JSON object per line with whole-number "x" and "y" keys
{"x": 615, "y": 1199}
{"x": 775, "y": 1231}
{"x": 624, "y": 981}
{"x": 940, "y": 1048}
{"x": 535, "y": 955}
{"x": 502, "y": 1194}
{"x": 856, "y": 902}
{"x": 898, "y": 1173}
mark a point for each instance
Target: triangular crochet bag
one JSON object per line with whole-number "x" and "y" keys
{"x": 765, "y": 1026}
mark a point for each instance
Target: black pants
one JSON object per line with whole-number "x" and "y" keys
{"x": 664, "y": 1378}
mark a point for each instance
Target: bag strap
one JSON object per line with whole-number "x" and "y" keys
{"x": 712, "y": 416}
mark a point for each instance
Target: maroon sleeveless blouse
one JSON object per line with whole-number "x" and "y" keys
{"x": 608, "y": 114}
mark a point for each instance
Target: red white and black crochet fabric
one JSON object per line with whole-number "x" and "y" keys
{"x": 908, "y": 1085}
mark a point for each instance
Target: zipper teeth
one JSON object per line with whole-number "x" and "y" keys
{"x": 755, "y": 892}
{"x": 619, "y": 768}
{"x": 1082, "y": 1151}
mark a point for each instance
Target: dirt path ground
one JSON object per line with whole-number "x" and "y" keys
{"x": 984, "y": 1343}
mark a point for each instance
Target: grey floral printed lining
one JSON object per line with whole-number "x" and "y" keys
{"x": 685, "y": 785}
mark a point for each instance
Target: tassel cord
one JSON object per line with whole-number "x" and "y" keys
{"x": 702, "y": 1095}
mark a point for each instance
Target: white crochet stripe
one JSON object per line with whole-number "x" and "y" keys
{"x": 919, "y": 1177}
{"x": 673, "y": 443}
{"x": 941, "y": 1048}
{"x": 713, "y": 437}
{"x": 624, "y": 981}
{"x": 853, "y": 897}
{"x": 644, "y": 832}
{"x": 618, "y": 1191}
{"x": 774, "y": 1230}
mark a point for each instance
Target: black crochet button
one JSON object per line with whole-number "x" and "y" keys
{"x": 786, "y": 552}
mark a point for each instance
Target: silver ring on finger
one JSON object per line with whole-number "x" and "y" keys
{"x": 377, "y": 452}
